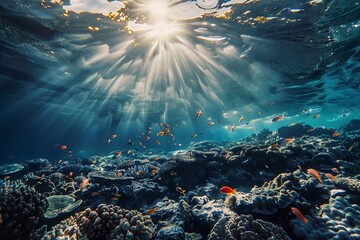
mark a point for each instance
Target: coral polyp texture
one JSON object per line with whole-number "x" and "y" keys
{"x": 113, "y": 222}
{"x": 21, "y": 209}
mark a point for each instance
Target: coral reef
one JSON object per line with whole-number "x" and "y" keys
{"x": 66, "y": 229}
{"x": 22, "y": 207}
{"x": 245, "y": 227}
{"x": 113, "y": 222}
{"x": 337, "y": 220}
{"x": 60, "y": 204}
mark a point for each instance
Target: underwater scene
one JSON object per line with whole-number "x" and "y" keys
{"x": 179, "y": 119}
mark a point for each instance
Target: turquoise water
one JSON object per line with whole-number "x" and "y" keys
{"x": 75, "y": 72}
{"x": 144, "y": 91}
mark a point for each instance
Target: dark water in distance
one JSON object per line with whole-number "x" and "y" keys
{"x": 73, "y": 74}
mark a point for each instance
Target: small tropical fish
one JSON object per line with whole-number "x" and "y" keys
{"x": 198, "y": 113}
{"x": 298, "y": 214}
{"x": 350, "y": 148}
{"x": 118, "y": 174}
{"x": 157, "y": 142}
{"x": 161, "y": 133}
{"x": 113, "y": 136}
{"x": 153, "y": 172}
{"x": 261, "y": 113}
{"x": 8, "y": 177}
{"x": 140, "y": 172}
{"x": 314, "y": 173}
{"x": 289, "y": 140}
{"x": 336, "y": 134}
{"x": 172, "y": 173}
{"x": 115, "y": 199}
{"x": 316, "y": 116}
{"x": 241, "y": 119}
{"x": 117, "y": 153}
{"x": 109, "y": 141}
{"x": 129, "y": 151}
{"x": 117, "y": 195}
{"x": 194, "y": 135}
{"x": 335, "y": 170}
{"x": 180, "y": 190}
{"x": 147, "y": 138}
{"x": 156, "y": 158}
{"x": 84, "y": 183}
{"x": 233, "y": 127}
{"x": 292, "y": 124}
{"x": 275, "y": 145}
{"x": 63, "y": 147}
{"x": 227, "y": 190}
{"x": 210, "y": 123}
{"x": 95, "y": 194}
{"x": 278, "y": 118}
{"x": 151, "y": 211}
{"x": 335, "y": 192}
{"x": 330, "y": 176}
{"x": 310, "y": 130}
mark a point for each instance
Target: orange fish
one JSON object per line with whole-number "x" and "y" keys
{"x": 115, "y": 199}
{"x": 330, "y": 176}
{"x": 156, "y": 158}
{"x": 198, "y": 113}
{"x": 336, "y": 134}
{"x": 140, "y": 172}
{"x": 153, "y": 172}
{"x": 63, "y": 147}
{"x": 233, "y": 127}
{"x": 160, "y": 133}
{"x": 227, "y": 190}
{"x": 316, "y": 116}
{"x": 147, "y": 138}
{"x": 289, "y": 140}
{"x": 7, "y": 177}
{"x": 335, "y": 170}
{"x": 84, "y": 183}
{"x": 95, "y": 194}
{"x": 314, "y": 173}
{"x": 275, "y": 145}
{"x": 298, "y": 214}
{"x": 277, "y": 118}
{"x": 117, "y": 154}
{"x": 211, "y": 123}
{"x": 151, "y": 211}
{"x": 113, "y": 135}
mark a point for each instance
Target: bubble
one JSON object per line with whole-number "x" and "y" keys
{"x": 207, "y": 4}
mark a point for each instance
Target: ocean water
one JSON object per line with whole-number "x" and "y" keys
{"x": 80, "y": 78}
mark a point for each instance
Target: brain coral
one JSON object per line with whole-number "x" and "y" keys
{"x": 337, "y": 220}
{"x": 244, "y": 227}
{"x": 113, "y": 222}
